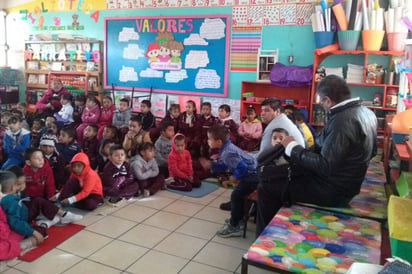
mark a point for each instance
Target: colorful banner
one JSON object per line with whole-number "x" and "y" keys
{"x": 244, "y": 48}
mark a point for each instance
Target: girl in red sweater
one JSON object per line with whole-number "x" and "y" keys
{"x": 180, "y": 166}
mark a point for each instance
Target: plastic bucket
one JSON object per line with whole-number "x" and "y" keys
{"x": 323, "y": 38}
{"x": 348, "y": 39}
{"x": 372, "y": 39}
{"x": 396, "y": 40}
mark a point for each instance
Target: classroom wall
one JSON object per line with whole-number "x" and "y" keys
{"x": 289, "y": 39}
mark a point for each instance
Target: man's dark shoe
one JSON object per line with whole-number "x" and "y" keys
{"x": 225, "y": 206}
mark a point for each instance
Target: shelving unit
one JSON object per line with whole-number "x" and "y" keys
{"x": 365, "y": 91}
{"x": 75, "y": 82}
{"x": 63, "y": 59}
{"x": 262, "y": 90}
{"x": 266, "y": 59}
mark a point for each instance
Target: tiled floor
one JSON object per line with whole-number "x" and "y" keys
{"x": 166, "y": 233}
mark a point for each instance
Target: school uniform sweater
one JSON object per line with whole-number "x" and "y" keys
{"x": 179, "y": 164}
{"x": 15, "y": 144}
{"x": 68, "y": 150}
{"x": 17, "y": 214}
{"x": 121, "y": 118}
{"x": 40, "y": 183}
{"x": 253, "y": 128}
{"x": 114, "y": 176}
{"x": 163, "y": 146}
{"x": 150, "y": 168}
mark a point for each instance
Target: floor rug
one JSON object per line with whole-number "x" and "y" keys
{"x": 203, "y": 190}
{"x": 57, "y": 235}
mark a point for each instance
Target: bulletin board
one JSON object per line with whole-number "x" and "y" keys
{"x": 171, "y": 54}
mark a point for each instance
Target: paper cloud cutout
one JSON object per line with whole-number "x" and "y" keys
{"x": 175, "y": 76}
{"x": 196, "y": 59}
{"x": 212, "y": 29}
{"x": 151, "y": 73}
{"x": 127, "y": 74}
{"x": 207, "y": 78}
{"x": 195, "y": 39}
{"x": 128, "y": 34}
{"x": 132, "y": 51}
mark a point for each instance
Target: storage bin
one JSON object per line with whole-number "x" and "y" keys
{"x": 404, "y": 184}
{"x": 399, "y": 137}
{"x": 323, "y": 38}
{"x": 372, "y": 39}
{"x": 348, "y": 39}
{"x": 400, "y": 223}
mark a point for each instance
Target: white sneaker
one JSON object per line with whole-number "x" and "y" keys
{"x": 48, "y": 223}
{"x": 169, "y": 180}
{"x": 70, "y": 218}
{"x": 146, "y": 193}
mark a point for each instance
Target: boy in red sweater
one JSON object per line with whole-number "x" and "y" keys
{"x": 39, "y": 175}
{"x": 180, "y": 166}
{"x": 84, "y": 188}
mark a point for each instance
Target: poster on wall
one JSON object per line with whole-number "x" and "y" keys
{"x": 169, "y": 54}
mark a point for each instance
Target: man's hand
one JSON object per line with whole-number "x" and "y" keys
{"x": 287, "y": 140}
{"x": 65, "y": 201}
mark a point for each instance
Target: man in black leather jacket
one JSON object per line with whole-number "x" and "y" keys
{"x": 332, "y": 172}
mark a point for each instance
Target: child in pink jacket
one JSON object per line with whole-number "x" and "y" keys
{"x": 250, "y": 131}
{"x": 106, "y": 115}
{"x": 90, "y": 115}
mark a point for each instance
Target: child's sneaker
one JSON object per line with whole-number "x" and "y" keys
{"x": 146, "y": 193}
{"x": 229, "y": 231}
{"x": 27, "y": 244}
{"x": 69, "y": 217}
{"x": 169, "y": 180}
{"x": 115, "y": 201}
{"x": 48, "y": 223}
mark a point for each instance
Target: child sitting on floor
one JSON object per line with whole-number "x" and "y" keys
{"x": 39, "y": 175}
{"x": 56, "y": 160}
{"x": 148, "y": 120}
{"x": 20, "y": 213}
{"x": 110, "y": 132}
{"x": 90, "y": 145}
{"x": 163, "y": 146}
{"x": 250, "y": 131}
{"x": 206, "y": 120}
{"x": 180, "y": 166}
{"x": 35, "y": 132}
{"x": 106, "y": 115}
{"x": 121, "y": 118}
{"x": 79, "y": 105}
{"x": 135, "y": 136}
{"x": 226, "y": 120}
{"x": 65, "y": 115}
{"x": 118, "y": 180}
{"x": 84, "y": 188}
{"x": 12, "y": 244}
{"x": 146, "y": 171}
{"x": 66, "y": 146}
{"x": 104, "y": 153}
{"x": 172, "y": 116}
{"x": 90, "y": 115}
{"x": 188, "y": 126}
{"x": 16, "y": 141}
